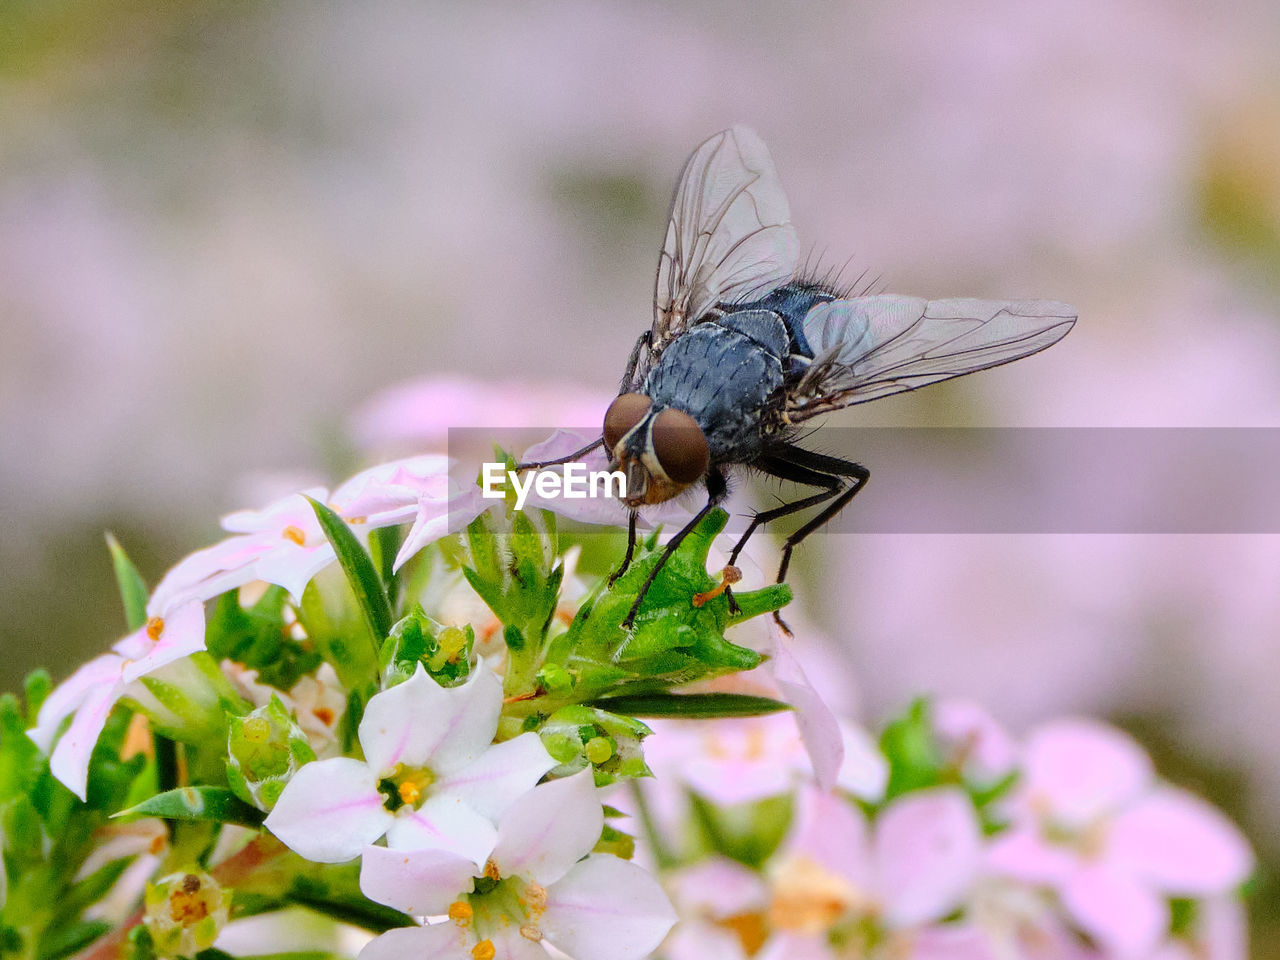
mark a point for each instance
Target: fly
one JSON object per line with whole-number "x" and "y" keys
{"x": 741, "y": 352}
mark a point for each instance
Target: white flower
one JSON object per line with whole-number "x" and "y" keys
{"x": 534, "y": 887}
{"x": 431, "y": 778}
{"x": 94, "y": 689}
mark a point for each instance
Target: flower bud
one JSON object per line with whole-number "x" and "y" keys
{"x": 265, "y": 748}
{"x": 185, "y": 912}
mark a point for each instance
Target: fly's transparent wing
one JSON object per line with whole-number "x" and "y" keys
{"x": 872, "y": 347}
{"x": 729, "y": 238}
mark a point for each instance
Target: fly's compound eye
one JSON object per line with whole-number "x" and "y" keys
{"x": 680, "y": 446}
{"x": 623, "y": 414}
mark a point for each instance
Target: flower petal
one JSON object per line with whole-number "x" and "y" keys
{"x": 832, "y": 833}
{"x": 419, "y": 882}
{"x": 1022, "y": 853}
{"x": 550, "y": 829}
{"x": 1123, "y": 914}
{"x": 437, "y": 518}
{"x": 496, "y": 778}
{"x": 66, "y": 698}
{"x": 1083, "y": 770}
{"x": 818, "y": 726}
{"x": 293, "y": 567}
{"x": 181, "y": 635}
{"x": 1182, "y": 845}
{"x": 419, "y": 722}
{"x": 928, "y": 849}
{"x": 70, "y": 759}
{"x": 444, "y": 823}
{"x": 330, "y": 811}
{"x": 864, "y": 772}
{"x": 440, "y": 941}
{"x": 607, "y": 909}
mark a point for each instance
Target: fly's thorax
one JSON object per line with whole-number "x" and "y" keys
{"x": 661, "y": 450}
{"x": 724, "y": 372}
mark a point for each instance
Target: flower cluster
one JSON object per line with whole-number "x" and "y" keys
{"x": 969, "y": 846}
{"x": 428, "y": 717}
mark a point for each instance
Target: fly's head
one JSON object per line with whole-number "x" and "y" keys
{"x": 662, "y": 451}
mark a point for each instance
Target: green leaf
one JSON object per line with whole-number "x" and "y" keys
{"x": 133, "y": 589}
{"x": 361, "y": 573}
{"x": 67, "y": 940}
{"x": 198, "y": 803}
{"x": 21, "y": 762}
{"x": 691, "y": 705}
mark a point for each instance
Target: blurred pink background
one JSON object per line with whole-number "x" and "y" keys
{"x": 225, "y": 226}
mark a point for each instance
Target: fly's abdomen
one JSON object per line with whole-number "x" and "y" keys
{"x": 722, "y": 373}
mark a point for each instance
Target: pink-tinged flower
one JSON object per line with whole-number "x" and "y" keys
{"x": 432, "y": 778}
{"x": 284, "y": 544}
{"x": 918, "y": 865}
{"x": 94, "y": 689}
{"x": 535, "y": 887}
{"x": 1091, "y": 822}
{"x": 745, "y": 759}
{"x": 722, "y": 905}
{"x": 972, "y": 742}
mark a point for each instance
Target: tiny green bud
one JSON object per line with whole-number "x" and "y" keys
{"x": 599, "y": 749}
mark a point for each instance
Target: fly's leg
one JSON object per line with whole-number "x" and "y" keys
{"x": 717, "y": 489}
{"x": 631, "y": 549}
{"x": 569, "y": 458}
{"x": 840, "y": 479}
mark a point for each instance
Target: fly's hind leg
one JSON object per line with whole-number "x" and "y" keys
{"x": 840, "y": 479}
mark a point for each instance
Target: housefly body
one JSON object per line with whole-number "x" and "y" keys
{"x": 741, "y": 352}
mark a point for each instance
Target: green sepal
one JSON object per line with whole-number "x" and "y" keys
{"x": 361, "y": 573}
{"x": 215, "y": 804}
{"x": 910, "y": 746}
{"x": 690, "y": 706}
{"x": 578, "y": 736}
{"x": 746, "y": 832}
{"x": 133, "y": 589}
{"x": 443, "y": 651}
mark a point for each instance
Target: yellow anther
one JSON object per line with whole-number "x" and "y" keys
{"x": 536, "y": 896}
{"x": 324, "y": 715}
{"x": 484, "y": 950}
{"x": 410, "y": 792}
{"x": 530, "y": 932}
{"x": 155, "y": 627}
{"x": 461, "y": 911}
{"x": 357, "y": 519}
{"x": 491, "y": 871}
{"x": 296, "y": 534}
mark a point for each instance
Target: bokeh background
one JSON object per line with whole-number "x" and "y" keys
{"x": 225, "y": 226}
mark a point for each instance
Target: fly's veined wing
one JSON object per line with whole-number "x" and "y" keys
{"x": 872, "y": 347}
{"x": 729, "y": 237}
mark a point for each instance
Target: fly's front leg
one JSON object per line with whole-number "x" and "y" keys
{"x": 569, "y": 458}
{"x": 631, "y": 549}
